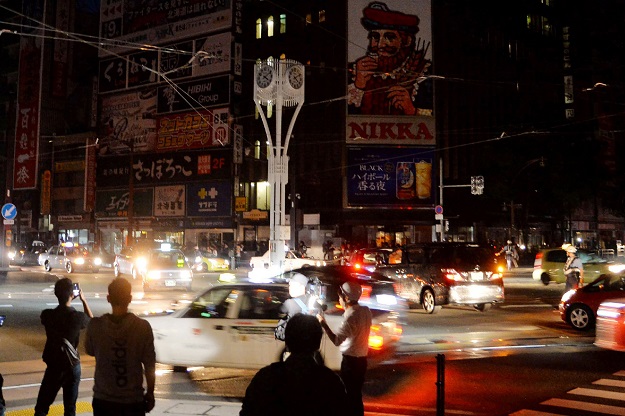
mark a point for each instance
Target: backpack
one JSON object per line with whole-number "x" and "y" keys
{"x": 280, "y": 330}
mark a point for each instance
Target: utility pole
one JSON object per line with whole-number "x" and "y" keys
{"x": 278, "y": 83}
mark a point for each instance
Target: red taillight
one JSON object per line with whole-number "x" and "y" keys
{"x": 366, "y": 292}
{"x": 357, "y": 266}
{"x": 539, "y": 255}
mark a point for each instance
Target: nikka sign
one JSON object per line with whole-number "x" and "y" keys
{"x": 416, "y": 130}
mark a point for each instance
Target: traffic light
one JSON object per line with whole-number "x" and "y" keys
{"x": 477, "y": 185}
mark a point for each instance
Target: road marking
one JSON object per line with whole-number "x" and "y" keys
{"x": 55, "y": 410}
{"x": 590, "y": 407}
{"x": 613, "y": 395}
{"x": 610, "y": 382}
{"x": 526, "y": 412}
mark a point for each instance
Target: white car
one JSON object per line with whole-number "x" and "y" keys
{"x": 232, "y": 325}
{"x": 292, "y": 260}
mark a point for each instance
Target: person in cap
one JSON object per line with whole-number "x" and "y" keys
{"x": 573, "y": 268}
{"x": 299, "y": 385}
{"x": 511, "y": 254}
{"x": 352, "y": 338}
{"x": 386, "y": 80}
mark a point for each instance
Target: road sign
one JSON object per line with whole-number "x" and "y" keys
{"x": 438, "y": 209}
{"x": 9, "y": 211}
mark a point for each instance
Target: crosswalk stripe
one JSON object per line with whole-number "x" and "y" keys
{"x": 604, "y": 394}
{"x": 610, "y": 382}
{"x": 620, "y": 373}
{"x": 527, "y": 412}
{"x": 590, "y": 407}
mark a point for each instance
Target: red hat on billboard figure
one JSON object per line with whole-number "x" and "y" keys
{"x": 377, "y": 16}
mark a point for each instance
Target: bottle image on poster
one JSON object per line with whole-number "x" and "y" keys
{"x": 405, "y": 180}
{"x": 423, "y": 170}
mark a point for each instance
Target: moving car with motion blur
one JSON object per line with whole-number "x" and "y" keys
{"x": 610, "y": 332}
{"x": 369, "y": 258}
{"x": 29, "y": 255}
{"x": 71, "y": 257}
{"x": 232, "y": 325}
{"x": 549, "y": 265}
{"x": 578, "y": 307}
{"x": 437, "y": 274}
{"x": 203, "y": 261}
{"x": 292, "y": 260}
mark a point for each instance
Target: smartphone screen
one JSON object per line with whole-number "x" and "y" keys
{"x": 76, "y": 290}
{"x": 2, "y": 317}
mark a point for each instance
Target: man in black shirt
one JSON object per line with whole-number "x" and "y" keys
{"x": 298, "y": 386}
{"x": 61, "y": 322}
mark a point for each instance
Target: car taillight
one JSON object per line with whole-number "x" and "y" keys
{"x": 376, "y": 341}
{"x": 357, "y": 266}
{"x": 366, "y": 292}
{"x": 453, "y": 275}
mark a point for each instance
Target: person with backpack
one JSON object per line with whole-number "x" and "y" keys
{"x": 299, "y": 385}
{"x": 62, "y": 323}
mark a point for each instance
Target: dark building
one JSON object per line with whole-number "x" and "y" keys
{"x": 506, "y": 115}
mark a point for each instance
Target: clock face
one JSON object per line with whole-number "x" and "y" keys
{"x": 264, "y": 76}
{"x": 295, "y": 77}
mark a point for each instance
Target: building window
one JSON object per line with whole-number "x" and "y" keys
{"x": 259, "y": 29}
{"x": 308, "y": 18}
{"x": 283, "y": 23}
{"x": 322, "y": 16}
{"x": 270, "y": 26}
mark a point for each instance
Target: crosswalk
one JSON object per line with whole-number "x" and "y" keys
{"x": 605, "y": 396}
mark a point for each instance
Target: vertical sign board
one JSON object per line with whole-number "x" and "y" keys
{"x": 25, "y": 160}
{"x": 90, "y": 174}
{"x": 395, "y": 109}
{"x": 46, "y": 180}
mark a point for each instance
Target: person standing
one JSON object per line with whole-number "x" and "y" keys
{"x": 299, "y": 385}
{"x": 573, "y": 268}
{"x": 352, "y": 338}
{"x": 61, "y": 322}
{"x": 123, "y": 347}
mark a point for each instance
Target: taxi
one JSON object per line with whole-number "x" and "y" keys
{"x": 71, "y": 257}
{"x": 203, "y": 261}
{"x": 232, "y": 325}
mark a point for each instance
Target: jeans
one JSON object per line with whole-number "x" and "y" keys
{"x": 107, "y": 408}
{"x": 353, "y": 370}
{"x": 53, "y": 379}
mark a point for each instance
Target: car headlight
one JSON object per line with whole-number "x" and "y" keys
{"x": 154, "y": 275}
{"x": 198, "y": 259}
{"x": 616, "y": 268}
{"x": 97, "y": 261}
{"x": 80, "y": 260}
{"x": 567, "y": 296}
{"x": 141, "y": 263}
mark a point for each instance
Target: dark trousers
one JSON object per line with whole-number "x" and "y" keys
{"x": 2, "y": 403}
{"x": 54, "y": 379}
{"x": 353, "y": 370}
{"x": 108, "y": 408}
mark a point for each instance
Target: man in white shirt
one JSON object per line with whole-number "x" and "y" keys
{"x": 352, "y": 338}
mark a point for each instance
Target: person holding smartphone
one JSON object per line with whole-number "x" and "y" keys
{"x": 62, "y": 322}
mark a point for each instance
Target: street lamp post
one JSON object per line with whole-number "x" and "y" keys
{"x": 280, "y": 84}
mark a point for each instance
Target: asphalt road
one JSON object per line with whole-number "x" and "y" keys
{"x": 513, "y": 357}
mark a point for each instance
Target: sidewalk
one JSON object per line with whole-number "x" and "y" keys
{"x": 163, "y": 407}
